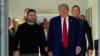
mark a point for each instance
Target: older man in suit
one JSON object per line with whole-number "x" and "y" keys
{"x": 65, "y": 34}
{"x": 45, "y": 27}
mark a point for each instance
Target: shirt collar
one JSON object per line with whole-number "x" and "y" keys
{"x": 62, "y": 19}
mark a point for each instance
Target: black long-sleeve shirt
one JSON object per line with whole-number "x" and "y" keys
{"x": 29, "y": 38}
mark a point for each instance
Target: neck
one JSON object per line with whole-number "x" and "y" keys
{"x": 46, "y": 29}
{"x": 64, "y": 16}
{"x": 76, "y": 16}
{"x": 30, "y": 23}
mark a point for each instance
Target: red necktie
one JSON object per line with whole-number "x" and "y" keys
{"x": 65, "y": 36}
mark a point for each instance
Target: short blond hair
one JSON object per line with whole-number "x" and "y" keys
{"x": 63, "y": 5}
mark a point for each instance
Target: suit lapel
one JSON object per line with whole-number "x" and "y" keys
{"x": 59, "y": 25}
{"x": 70, "y": 25}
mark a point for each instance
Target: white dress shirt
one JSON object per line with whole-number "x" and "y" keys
{"x": 46, "y": 33}
{"x": 67, "y": 23}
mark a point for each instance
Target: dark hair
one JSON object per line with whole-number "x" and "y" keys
{"x": 76, "y": 6}
{"x": 83, "y": 16}
{"x": 9, "y": 18}
{"x": 31, "y": 10}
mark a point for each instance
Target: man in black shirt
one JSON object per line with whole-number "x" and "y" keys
{"x": 29, "y": 36}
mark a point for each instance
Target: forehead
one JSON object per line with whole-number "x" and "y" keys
{"x": 63, "y": 7}
{"x": 75, "y": 8}
{"x": 31, "y": 13}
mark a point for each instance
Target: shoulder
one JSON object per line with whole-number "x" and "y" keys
{"x": 84, "y": 21}
{"x": 55, "y": 18}
{"x": 74, "y": 19}
{"x": 22, "y": 25}
{"x": 38, "y": 26}
{"x": 71, "y": 17}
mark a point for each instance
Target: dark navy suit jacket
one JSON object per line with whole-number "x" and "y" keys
{"x": 55, "y": 36}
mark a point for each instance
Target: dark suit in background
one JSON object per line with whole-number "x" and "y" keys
{"x": 13, "y": 31}
{"x": 45, "y": 26}
{"x": 42, "y": 51}
{"x": 86, "y": 30}
{"x": 96, "y": 47}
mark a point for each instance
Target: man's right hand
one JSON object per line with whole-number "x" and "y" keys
{"x": 16, "y": 53}
{"x": 90, "y": 52}
{"x": 46, "y": 49}
{"x": 50, "y": 53}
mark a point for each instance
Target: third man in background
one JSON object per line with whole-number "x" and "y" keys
{"x": 14, "y": 26}
{"x": 86, "y": 29}
{"x": 45, "y": 27}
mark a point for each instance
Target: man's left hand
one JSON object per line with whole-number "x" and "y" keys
{"x": 46, "y": 49}
{"x": 90, "y": 52}
{"x": 78, "y": 50}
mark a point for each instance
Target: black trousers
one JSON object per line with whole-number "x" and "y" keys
{"x": 10, "y": 52}
{"x": 44, "y": 54}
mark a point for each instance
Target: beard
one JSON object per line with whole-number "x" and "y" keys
{"x": 31, "y": 21}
